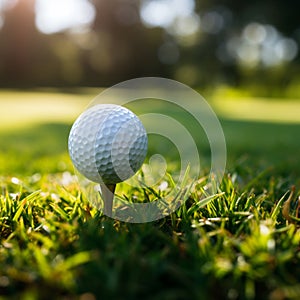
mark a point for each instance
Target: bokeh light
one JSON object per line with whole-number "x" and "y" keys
{"x": 156, "y": 14}
{"x": 286, "y": 49}
{"x": 59, "y": 15}
{"x": 254, "y": 33}
{"x": 108, "y": 41}
{"x": 258, "y": 44}
{"x": 185, "y": 25}
{"x": 164, "y": 13}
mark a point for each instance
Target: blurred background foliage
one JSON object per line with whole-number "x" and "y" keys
{"x": 203, "y": 43}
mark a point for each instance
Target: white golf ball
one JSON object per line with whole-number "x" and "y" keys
{"x": 107, "y": 143}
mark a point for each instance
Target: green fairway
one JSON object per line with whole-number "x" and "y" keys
{"x": 36, "y": 125}
{"x": 22, "y": 109}
{"x": 242, "y": 243}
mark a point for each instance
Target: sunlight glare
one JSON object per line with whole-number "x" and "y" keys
{"x": 60, "y": 15}
{"x": 163, "y": 13}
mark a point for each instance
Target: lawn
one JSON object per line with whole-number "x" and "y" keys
{"x": 242, "y": 243}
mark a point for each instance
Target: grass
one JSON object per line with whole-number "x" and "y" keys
{"x": 242, "y": 243}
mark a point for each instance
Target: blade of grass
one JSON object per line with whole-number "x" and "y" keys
{"x": 20, "y": 208}
{"x": 202, "y": 203}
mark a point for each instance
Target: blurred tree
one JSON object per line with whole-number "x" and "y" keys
{"x": 124, "y": 48}
{"x": 203, "y": 43}
{"x": 18, "y": 40}
{"x": 28, "y": 57}
{"x": 242, "y": 42}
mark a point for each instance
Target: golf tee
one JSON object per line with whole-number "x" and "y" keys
{"x": 107, "y": 193}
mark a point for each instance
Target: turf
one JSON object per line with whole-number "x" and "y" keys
{"x": 241, "y": 243}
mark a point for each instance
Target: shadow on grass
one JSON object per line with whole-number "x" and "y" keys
{"x": 40, "y": 148}
{"x": 263, "y": 145}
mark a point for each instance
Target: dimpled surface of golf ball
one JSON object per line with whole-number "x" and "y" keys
{"x": 107, "y": 143}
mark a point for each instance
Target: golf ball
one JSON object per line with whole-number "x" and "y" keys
{"x": 107, "y": 143}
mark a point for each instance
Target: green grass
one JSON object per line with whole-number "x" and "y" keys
{"x": 242, "y": 243}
